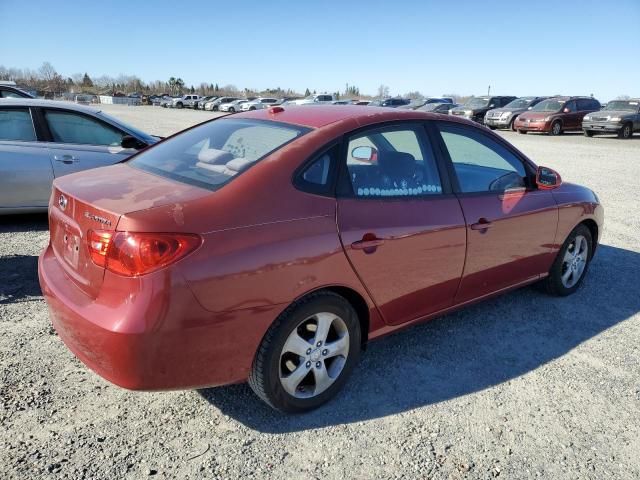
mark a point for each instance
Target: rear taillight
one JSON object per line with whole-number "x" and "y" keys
{"x": 133, "y": 253}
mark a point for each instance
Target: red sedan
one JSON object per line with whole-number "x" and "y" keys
{"x": 272, "y": 245}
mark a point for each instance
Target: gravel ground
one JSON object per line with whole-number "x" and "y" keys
{"x": 523, "y": 386}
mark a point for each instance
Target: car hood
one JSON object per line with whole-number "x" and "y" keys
{"x": 535, "y": 115}
{"x": 611, "y": 113}
{"x": 505, "y": 109}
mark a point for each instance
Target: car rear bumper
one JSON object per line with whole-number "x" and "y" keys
{"x": 602, "y": 126}
{"x": 150, "y": 333}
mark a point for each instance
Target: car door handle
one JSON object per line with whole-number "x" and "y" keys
{"x": 368, "y": 243}
{"x": 482, "y": 224}
{"x": 68, "y": 159}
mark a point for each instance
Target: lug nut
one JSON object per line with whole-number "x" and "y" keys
{"x": 308, "y": 351}
{"x": 318, "y": 344}
{"x": 325, "y": 351}
{"x": 318, "y": 364}
{"x": 308, "y": 364}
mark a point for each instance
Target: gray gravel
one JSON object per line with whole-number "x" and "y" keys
{"x": 523, "y": 386}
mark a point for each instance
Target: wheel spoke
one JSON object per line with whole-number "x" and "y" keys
{"x": 296, "y": 344}
{"x": 324, "y": 324}
{"x": 339, "y": 347}
{"x": 291, "y": 381}
{"x": 323, "y": 380}
{"x": 566, "y": 275}
{"x": 568, "y": 257}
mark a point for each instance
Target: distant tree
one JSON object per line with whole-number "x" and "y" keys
{"x": 414, "y": 95}
{"x": 383, "y": 91}
{"x": 307, "y": 92}
{"x": 47, "y": 72}
{"x": 192, "y": 90}
{"x": 86, "y": 81}
{"x": 623, "y": 97}
{"x": 179, "y": 85}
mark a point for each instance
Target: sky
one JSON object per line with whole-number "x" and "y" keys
{"x": 540, "y": 47}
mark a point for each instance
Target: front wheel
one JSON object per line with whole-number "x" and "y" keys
{"x": 179, "y": 105}
{"x": 588, "y": 133}
{"x": 523, "y": 132}
{"x": 556, "y": 128}
{"x": 512, "y": 124}
{"x": 626, "y": 131}
{"x": 232, "y": 110}
{"x": 308, "y": 353}
{"x": 252, "y": 108}
{"x": 570, "y": 266}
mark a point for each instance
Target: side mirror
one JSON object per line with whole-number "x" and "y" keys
{"x": 132, "y": 142}
{"x": 566, "y": 110}
{"x": 547, "y": 179}
{"x": 365, "y": 154}
{"x": 529, "y": 108}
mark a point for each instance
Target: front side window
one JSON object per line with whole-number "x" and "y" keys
{"x": 480, "y": 163}
{"x": 212, "y": 154}
{"x": 16, "y": 124}
{"x": 68, "y": 127}
{"x": 392, "y": 162}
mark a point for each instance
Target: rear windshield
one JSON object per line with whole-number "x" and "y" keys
{"x": 212, "y": 154}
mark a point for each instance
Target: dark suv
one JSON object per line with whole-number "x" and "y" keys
{"x": 477, "y": 107}
{"x": 619, "y": 116}
{"x": 556, "y": 115}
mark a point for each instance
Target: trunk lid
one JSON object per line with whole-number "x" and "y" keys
{"x": 95, "y": 200}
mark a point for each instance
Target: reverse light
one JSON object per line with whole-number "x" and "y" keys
{"x": 132, "y": 254}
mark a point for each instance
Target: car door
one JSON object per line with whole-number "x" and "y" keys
{"x": 571, "y": 119}
{"x": 26, "y": 172}
{"x": 78, "y": 141}
{"x": 401, "y": 228}
{"x": 511, "y": 225}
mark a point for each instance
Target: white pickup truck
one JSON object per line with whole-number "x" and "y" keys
{"x": 314, "y": 100}
{"x": 185, "y": 101}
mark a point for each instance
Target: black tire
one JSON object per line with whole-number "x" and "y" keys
{"x": 522, "y": 132}
{"x": 512, "y": 124}
{"x": 556, "y": 128}
{"x": 179, "y": 105}
{"x": 232, "y": 110}
{"x": 626, "y": 131}
{"x": 264, "y": 378}
{"x": 553, "y": 283}
{"x": 252, "y": 108}
{"x": 491, "y": 127}
{"x": 588, "y": 133}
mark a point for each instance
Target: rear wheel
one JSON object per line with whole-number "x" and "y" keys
{"x": 232, "y": 110}
{"x": 588, "y": 133}
{"x": 570, "y": 266}
{"x": 512, "y": 124}
{"x": 252, "y": 108}
{"x": 523, "y": 132}
{"x": 179, "y": 105}
{"x": 626, "y": 131}
{"x": 308, "y": 353}
{"x": 556, "y": 128}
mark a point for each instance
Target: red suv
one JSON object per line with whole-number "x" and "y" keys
{"x": 556, "y": 115}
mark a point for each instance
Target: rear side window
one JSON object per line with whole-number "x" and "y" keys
{"x": 16, "y": 124}
{"x": 212, "y": 154}
{"x": 67, "y": 127}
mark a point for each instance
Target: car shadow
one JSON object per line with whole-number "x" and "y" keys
{"x": 34, "y": 222}
{"x": 19, "y": 278}
{"x": 461, "y": 353}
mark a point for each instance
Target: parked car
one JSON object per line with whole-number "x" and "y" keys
{"x": 199, "y": 104}
{"x": 443, "y": 107}
{"x": 259, "y": 103}
{"x": 232, "y": 107}
{"x": 203, "y": 105}
{"x": 167, "y": 101}
{"x": 263, "y": 245}
{"x": 415, "y": 104}
{"x": 619, "y": 116}
{"x": 343, "y": 101}
{"x": 390, "y": 102}
{"x": 476, "y": 107}
{"x": 187, "y": 101}
{"x": 322, "y": 98}
{"x": 10, "y": 91}
{"x": 215, "y": 105}
{"x": 42, "y": 139}
{"x": 362, "y": 102}
{"x": 504, "y": 117}
{"x": 556, "y": 115}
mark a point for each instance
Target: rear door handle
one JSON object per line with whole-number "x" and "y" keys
{"x": 367, "y": 244}
{"x": 68, "y": 159}
{"x": 482, "y": 224}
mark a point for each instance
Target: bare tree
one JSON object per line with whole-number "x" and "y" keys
{"x": 47, "y": 72}
{"x": 383, "y": 91}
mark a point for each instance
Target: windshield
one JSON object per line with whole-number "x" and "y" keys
{"x": 212, "y": 154}
{"x": 550, "y": 105}
{"x": 519, "y": 103}
{"x": 477, "y": 102}
{"x": 631, "y": 106}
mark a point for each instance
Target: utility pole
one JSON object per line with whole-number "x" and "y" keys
{"x": 489, "y": 91}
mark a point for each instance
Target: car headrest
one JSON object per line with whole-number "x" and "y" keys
{"x": 214, "y": 156}
{"x": 396, "y": 163}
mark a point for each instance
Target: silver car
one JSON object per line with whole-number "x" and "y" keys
{"x": 41, "y": 140}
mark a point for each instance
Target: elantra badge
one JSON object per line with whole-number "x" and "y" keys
{"x": 62, "y": 202}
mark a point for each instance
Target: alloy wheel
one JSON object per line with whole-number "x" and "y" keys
{"x": 574, "y": 261}
{"x": 314, "y": 355}
{"x": 556, "y": 128}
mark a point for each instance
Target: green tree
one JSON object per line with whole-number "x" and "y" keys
{"x": 307, "y": 92}
{"x": 86, "y": 81}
